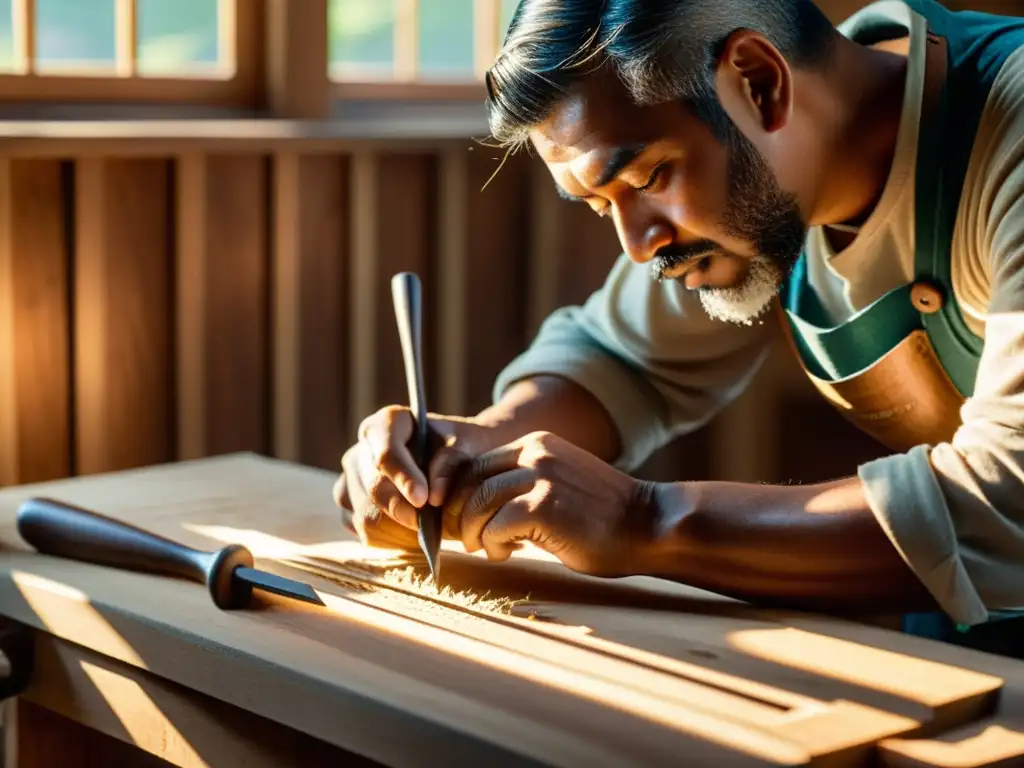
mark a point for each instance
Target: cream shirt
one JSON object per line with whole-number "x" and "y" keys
{"x": 954, "y": 511}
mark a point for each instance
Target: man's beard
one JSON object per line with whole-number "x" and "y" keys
{"x": 758, "y": 211}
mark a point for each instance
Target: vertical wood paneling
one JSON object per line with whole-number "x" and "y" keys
{"x": 34, "y": 328}
{"x": 190, "y": 305}
{"x": 452, "y": 289}
{"x": 310, "y": 302}
{"x": 406, "y": 242}
{"x": 122, "y": 334}
{"x": 497, "y": 266}
{"x": 363, "y": 329}
{"x": 589, "y": 246}
{"x": 236, "y": 343}
{"x": 223, "y": 371}
{"x": 546, "y": 255}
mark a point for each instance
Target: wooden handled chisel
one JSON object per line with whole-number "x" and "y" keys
{"x": 57, "y": 528}
{"x": 407, "y": 295}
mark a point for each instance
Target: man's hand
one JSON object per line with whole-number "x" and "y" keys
{"x": 546, "y": 490}
{"x": 381, "y": 487}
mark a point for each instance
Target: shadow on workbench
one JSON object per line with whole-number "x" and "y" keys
{"x": 83, "y": 709}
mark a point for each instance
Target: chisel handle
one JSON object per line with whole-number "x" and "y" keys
{"x": 57, "y": 528}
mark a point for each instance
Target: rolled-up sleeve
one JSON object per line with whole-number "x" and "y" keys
{"x": 956, "y": 510}
{"x": 649, "y": 354}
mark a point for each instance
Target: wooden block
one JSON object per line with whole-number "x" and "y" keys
{"x": 35, "y": 359}
{"x": 122, "y": 332}
{"x": 996, "y": 742}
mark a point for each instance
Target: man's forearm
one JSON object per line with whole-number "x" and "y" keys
{"x": 816, "y": 547}
{"x": 556, "y": 405}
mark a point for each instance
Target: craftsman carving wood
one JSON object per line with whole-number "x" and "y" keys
{"x": 860, "y": 186}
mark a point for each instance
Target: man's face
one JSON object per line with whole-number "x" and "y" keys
{"x": 708, "y": 213}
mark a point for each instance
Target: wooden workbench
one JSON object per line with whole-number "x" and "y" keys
{"x": 587, "y": 672}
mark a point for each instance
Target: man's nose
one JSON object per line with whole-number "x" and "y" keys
{"x": 641, "y": 240}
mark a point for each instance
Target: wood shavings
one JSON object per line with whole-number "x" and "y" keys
{"x": 407, "y": 578}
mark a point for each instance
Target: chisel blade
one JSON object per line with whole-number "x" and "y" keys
{"x": 279, "y": 585}
{"x": 428, "y": 524}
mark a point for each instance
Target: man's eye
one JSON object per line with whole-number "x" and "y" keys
{"x": 653, "y": 180}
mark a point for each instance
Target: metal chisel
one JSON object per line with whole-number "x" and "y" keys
{"x": 407, "y": 296}
{"x": 57, "y": 528}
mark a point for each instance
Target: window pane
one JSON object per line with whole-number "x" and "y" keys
{"x": 177, "y": 36}
{"x": 508, "y": 10}
{"x": 361, "y": 38}
{"x": 446, "y": 40}
{"x": 75, "y": 32}
{"x": 6, "y": 36}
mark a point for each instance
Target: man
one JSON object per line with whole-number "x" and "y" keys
{"x": 862, "y": 186}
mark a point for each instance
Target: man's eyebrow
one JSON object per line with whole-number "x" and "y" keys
{"x": 620, "y": 158}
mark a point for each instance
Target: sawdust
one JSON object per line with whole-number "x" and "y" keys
{"x": 408, "y": 578}
{"x": 405, "y": 586}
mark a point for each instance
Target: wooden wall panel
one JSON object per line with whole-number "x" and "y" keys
{"x": 222, "y": 298}
{"x": 34, "y": 324}
{"x": 407, "y": 236}
{"x": 310, "y": 320}
{"x": 122, "y": 310}
{"x": 498, "y": 229}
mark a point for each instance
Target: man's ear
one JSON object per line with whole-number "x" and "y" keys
{"x": 754, "y": 83}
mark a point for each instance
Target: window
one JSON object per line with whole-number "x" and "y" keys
{"x": 426, "y": 42}
{"x": 158, "y": 50}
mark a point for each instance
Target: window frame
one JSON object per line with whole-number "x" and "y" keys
{"x": 263, "y": 58}
{"x": 404, "y": 84}
{"x": 241, "y": 29}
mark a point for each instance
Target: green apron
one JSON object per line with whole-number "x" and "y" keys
{"x": 901, "y": 368}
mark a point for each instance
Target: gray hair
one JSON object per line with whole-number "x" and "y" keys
{"x": 661, "y": 50}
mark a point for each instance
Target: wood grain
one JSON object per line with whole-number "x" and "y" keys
{"x": 297, "y": 56}
{"x": 157, "y": 718}
{"x": 122, "y": 300}
{"x": 35, "y": 359}
{"x": 223, "y": 305}
{"x": 497, "y": 220}
{"x": 583, "y": 682}
{"x": 406, "y": 240}
{"x": 46, "y": 739}
{"x": 310, "y": 276}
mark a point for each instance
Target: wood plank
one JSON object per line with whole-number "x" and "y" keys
{"x": 310, "y": 301}
{"x": 46, "y": 739}
{"x": 601, "y": 686}
{"x": 364, "y": 282}
{"x": 546, "y": 253}
{"x": 499, "y": 253}
{"x": 406, "y": 238}
{"x": 589, "y": 246}
{"x": 222, "y": 300}
{"x": 297, "y": 79}
{"x": 795, "y": 659}
{"x": 995, "y": 742}
{"x": 160, "y": 719}
{"x": 122, "y": 331}
{"x": 453, "y": 288}
{"x": 35, "y": 362}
